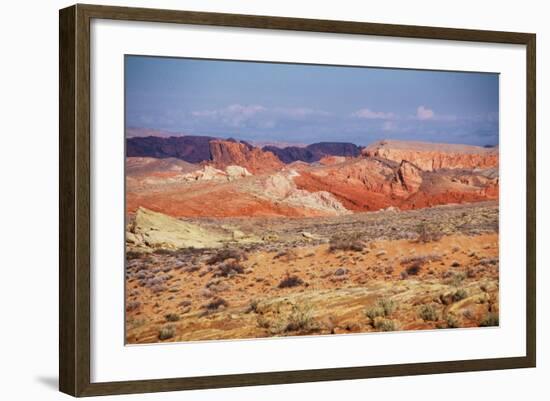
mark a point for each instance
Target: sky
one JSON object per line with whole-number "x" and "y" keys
{"x": 294, "y": 103}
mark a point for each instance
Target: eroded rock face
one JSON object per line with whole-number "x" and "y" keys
{"x": 430, "y": 156}
{"x": 281, "y": 188}
{"x": 372, "y": 184}
{"x": 409, "y": 176}
{"x": 226, "y": 153}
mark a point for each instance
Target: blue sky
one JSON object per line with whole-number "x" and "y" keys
{"x": 310, "y": 103}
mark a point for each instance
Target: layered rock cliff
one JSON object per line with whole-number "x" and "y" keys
{"x": 430, "y": 156}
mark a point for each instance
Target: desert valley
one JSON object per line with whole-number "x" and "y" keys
{"x": 229, "y": 240}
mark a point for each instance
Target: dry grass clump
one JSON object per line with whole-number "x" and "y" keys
{"x": 131, "y": 255}
{"x": 216, "y": 304}
{"x": 301, "y": 319}
{"x": 421, "y": 259}
{"x": 384, "y": 325}
{"x": 428, "y": 313}
{"x": 132, "y": 306}
{"x": 452, "y": 321}
{"x": 490, "y": 320}
{"x": 286, "y": 255}
{"x": 162, "y": 251}
{"x": 384, "y": 307}
{"x": 346, "y": 242}
{"x": 456, "y": 279}
{"x": 228, "y": 269}
{"x": 290, "y": 281}
{"x": 223, "y": 254}
{"x": 427, "y": 233}
{"x": 166, "y": 332}
{"x": 459, "y": 295}
{"x": 172, "y": 317}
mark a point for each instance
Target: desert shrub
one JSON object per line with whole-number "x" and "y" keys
{"x": 162, "y": 251}
{"x": 185, "y": 303}
{"x": 286, "y": 255}
{"x": 263, "y": 322}
{"x": 346, "y": 242}
{"x": 215, "y": 304}
{"x": 166, "y": 332}
{"x": 384, "y": 325}
{"x": 253, "y": 306}
{"x": 223, "y": 254}
{"x": 158, "y": 288}
{"x": 384, "y": 307}
{"x": 420, "y": 259}
{"x": 227, "y": 269}
{"x": 427, "y": 233}
{"x": 374, "y": 312}
{"x": 130, "y": 255}
{"x": 452, "y": 321}
{"x": 172, "y": 317}
{"x": 301, "y": 319}
{"x": 459, "y": 295}
{"x": 490, "y": 320}
{"x": 388, "y": 305}
{"x": 132, "y": 305}
{"x": 290, "y": 281}
{"x": 428, "y": 313}
{"x": 413, "y": 269}
{"x": 488, "y": 261}
{"x": 457, "y": 279}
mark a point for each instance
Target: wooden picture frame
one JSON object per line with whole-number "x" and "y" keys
{"x": 74, "y": 199}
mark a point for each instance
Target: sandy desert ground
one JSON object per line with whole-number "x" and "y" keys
{"x": 430, "y": 268}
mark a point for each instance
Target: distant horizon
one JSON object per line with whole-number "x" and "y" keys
{"x": 296, "y": 103}
{"x": 173, "y": 134}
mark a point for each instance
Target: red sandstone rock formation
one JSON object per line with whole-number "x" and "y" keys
{"x": 226, "y": 153}
{"x": 430, "y": 156}
{"x": 373, "y": 184}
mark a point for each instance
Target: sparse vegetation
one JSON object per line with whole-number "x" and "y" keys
{"x": 413, "y": 269}
{"x": 228, "y": 269}
{"x": 172, "y": 317}
{"x": 290, "y": 281}
{"x": 428, "y": 313}
{"x": 216, "y": 304}
{"x": 459, "y": 295}
{"x": 452, "y": 321}
{"x": 374, "y": 312}
{"x": 346, "y": 242}
{"x": 166, "y": 332}
{"x": 457, "y": 279}
{"x": 427, "y": 233}
{"x": 301, "y": 319}
{"x": 132, "y": 306}
{"x": 490, "y": 320}
{"x": 384, "y": 325}
{"x": 420, "y": 259}
{"x": 131, "y": 255}
{"x": 388, "y": 305}
{"x": 224, "y": 254}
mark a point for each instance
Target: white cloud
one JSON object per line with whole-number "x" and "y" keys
{"x": 374, "y": 115}
{"x": 423, "y": 113}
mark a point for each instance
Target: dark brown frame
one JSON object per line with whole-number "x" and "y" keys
{"x": 74, "y": 199}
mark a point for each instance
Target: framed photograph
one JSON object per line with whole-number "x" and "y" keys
{"x": 249, "y": 200}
